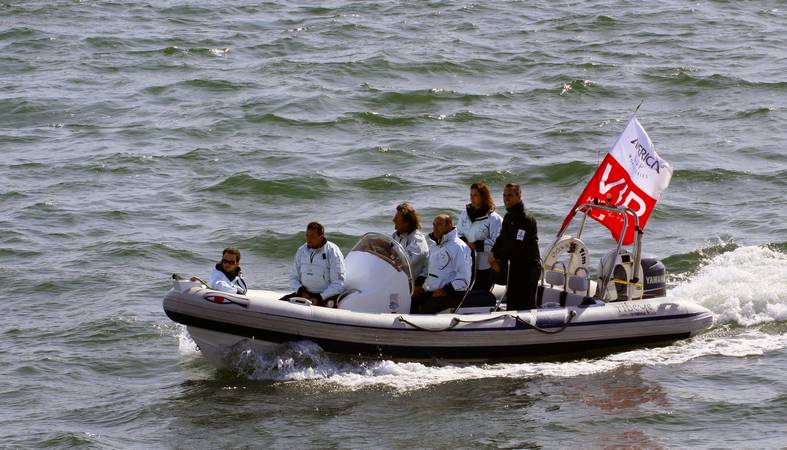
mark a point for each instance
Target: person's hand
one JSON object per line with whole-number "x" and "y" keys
{"x": 493, "y": 262}
{"x": 471, "y": 245}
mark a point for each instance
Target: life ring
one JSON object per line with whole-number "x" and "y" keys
{"x": 568, "y": 245}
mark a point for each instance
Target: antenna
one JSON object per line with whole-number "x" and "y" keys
{"x": 637, "y": 108}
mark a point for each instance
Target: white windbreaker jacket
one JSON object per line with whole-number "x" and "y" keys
{"x": 319, "y": 270}
{"x": 220, "y": 282}
{"x": 417, "y": 250}
{"x": 485, "y": 228}
{"x": 450, "y": 262}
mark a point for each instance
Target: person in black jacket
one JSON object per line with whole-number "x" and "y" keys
{"x": 518, "y": 244}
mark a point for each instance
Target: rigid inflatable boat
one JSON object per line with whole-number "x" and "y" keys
{"x": 622, "y": 301}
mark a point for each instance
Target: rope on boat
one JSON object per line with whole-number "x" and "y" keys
{"x": 456, "y": 320}
{"x": 571, "y": 315}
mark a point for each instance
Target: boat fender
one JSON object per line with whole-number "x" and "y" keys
{"x": 572, "y": 246}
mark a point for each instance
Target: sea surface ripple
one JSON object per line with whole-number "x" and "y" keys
{"x": 141, "y": 138}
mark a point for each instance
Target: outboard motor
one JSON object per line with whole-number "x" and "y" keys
{"x": 623, "y": 286}
{"x": 655, "y": 277}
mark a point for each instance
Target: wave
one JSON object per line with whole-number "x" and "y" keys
{"x": 685, "y": 265}
{"x": 174, "y": 50}
{"x": 756, "y": 112}
{"x": 305, "y": 361}
{"x": 373, "y": 118}
{"x": 125, "y": 250}
{"x": 201, "y": 85}
{"x": 686, "y": 76}
{"x": 385, "y": 183}
{"x": 310, "y": 187}
{"x": 13, "y": 34}
{"x": 421, "y": 97}
{"x": 281, "y": 120}
{"x": 559, "y": 174}
{"x": 283, "y": 245}
{"x": 744, "y": 286}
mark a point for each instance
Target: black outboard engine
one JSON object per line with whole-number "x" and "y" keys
{"x": 655, "y": 277}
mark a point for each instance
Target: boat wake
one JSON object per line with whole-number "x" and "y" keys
{"x": 745, "y": 288}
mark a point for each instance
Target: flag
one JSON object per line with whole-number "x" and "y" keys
{"x": 632, "y": 175}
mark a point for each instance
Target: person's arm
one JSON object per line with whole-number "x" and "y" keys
{"x": 500, "y": 247}
{"x": 337, "y": 273}
{"x": 463, "y": 227}
{"x": 418, "y": 251}
{"x": 495, "y": 225}
{"x": 463, "y": 268}
{"x": 295, "y": 273}
{"x": 241, "y": 285}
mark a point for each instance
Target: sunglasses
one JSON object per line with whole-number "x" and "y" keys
{"x": 227, "y": 261}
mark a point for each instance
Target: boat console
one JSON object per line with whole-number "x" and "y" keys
{"x": 379, "y": 279}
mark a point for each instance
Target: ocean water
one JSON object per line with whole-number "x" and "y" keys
{"x": 138, "y": 139}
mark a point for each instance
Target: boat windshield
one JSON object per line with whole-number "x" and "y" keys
{"x": 386, "y": 248}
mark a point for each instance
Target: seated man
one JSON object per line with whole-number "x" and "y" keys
{"x": 450, "y": 264}
{"x": 318, "y": 268}
{"x": 226, "y": 275}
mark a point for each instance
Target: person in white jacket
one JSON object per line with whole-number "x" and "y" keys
{"x": 407, "y": 232}
{"x": 226, "y": 275}
{"x": 318, "y": 272}
{"x": 479, "y": 226}
{"x": 449, "y": 269}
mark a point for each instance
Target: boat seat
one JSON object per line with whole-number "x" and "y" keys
{"x": 554, "y": 278}
{"x": 552, "y": 297}
{"x": 579, "y": 283}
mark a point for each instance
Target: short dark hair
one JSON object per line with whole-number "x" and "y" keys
{"x": 232, "y": 251}
{"x": 410, "y": 216}
{"x": 515, "y": 187}
{"x": 316, "y": 226}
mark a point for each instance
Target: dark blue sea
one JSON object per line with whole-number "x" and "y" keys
{"x": 140, "y": 138}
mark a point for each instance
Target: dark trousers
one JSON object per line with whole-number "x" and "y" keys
{"x": 429, "y": 304}
{"x": 522, "y": 284}
{"x": 483, "y": 280}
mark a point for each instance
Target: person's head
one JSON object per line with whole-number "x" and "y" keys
{"x": 481, "y": 197}
{"x": 230, "y": 259}
{"x": 442, "y": 225}
{"x": 512, "y": 194}
{"x": 315, "y": 234}
{"x": 406, "y": 219}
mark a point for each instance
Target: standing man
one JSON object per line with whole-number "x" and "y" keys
{"x": 450, "y": 264}
{"x": 518, "y": 244}
{"x": 226, "y": 275}
{"x": 407, "y": 232}
{"x": 318, "y": 268}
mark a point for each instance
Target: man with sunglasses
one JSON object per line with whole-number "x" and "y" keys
{"x": 226, "y": 275}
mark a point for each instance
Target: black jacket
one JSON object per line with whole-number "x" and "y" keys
{"x": 518, "y": 240}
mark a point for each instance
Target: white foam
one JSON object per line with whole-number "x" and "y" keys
{"x": 186, "y": 345}
{"x": 306, "y": 361}
{"x": 747, "y": 286}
